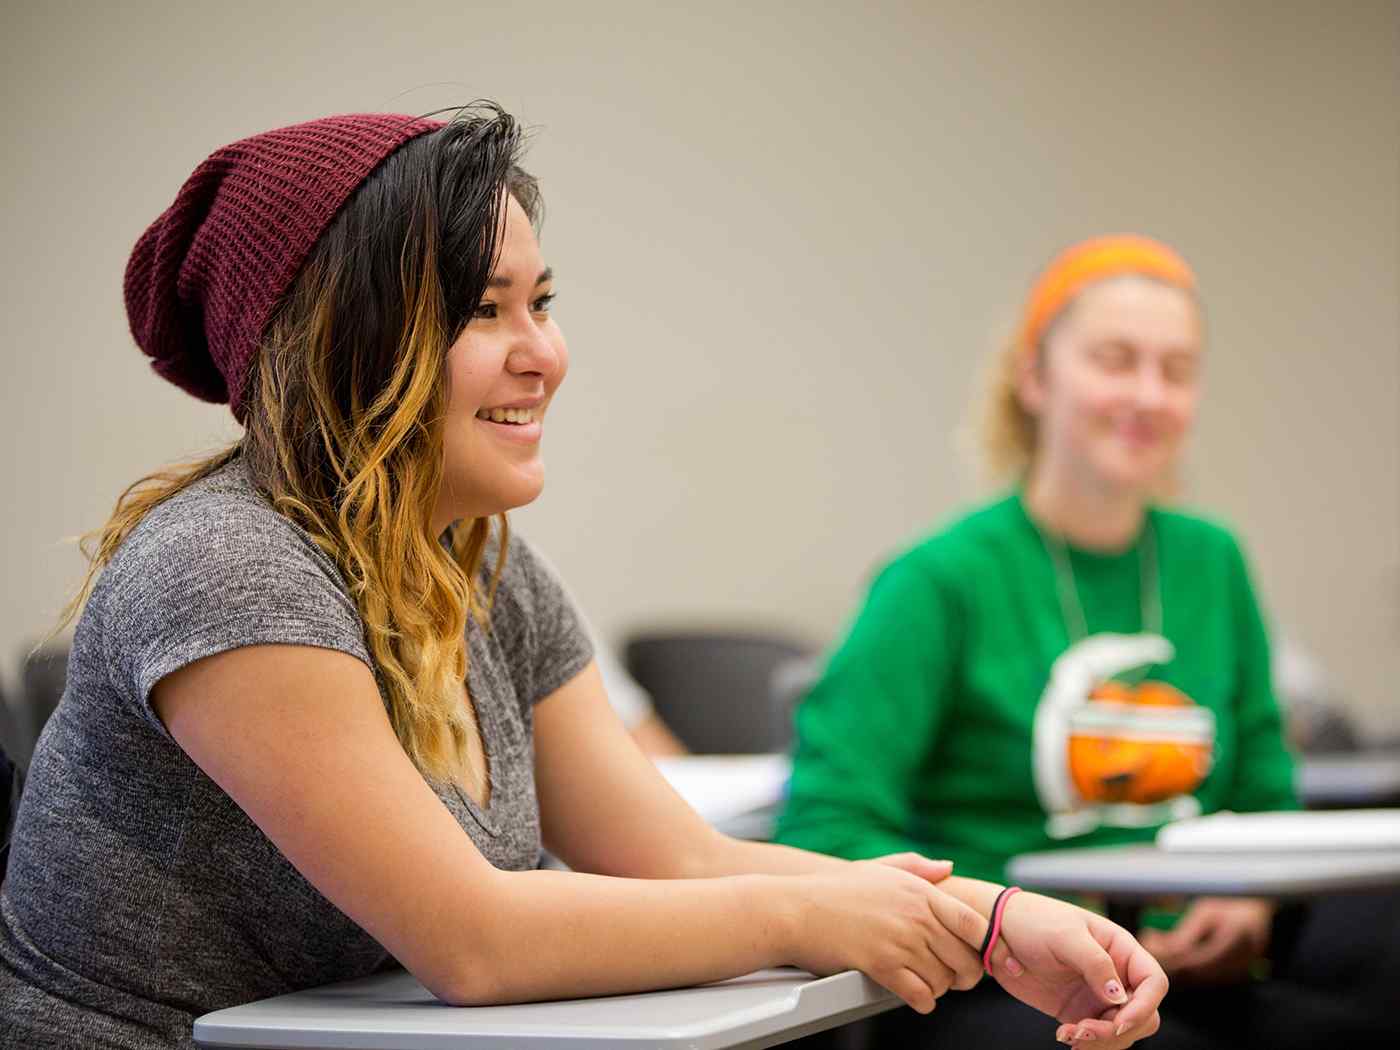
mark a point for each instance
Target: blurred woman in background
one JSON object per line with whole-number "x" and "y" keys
{"x": 994, "y": 694}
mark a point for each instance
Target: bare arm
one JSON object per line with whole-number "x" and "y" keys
{"x": 655, "y": 738}
{"x": 299, "y": 738}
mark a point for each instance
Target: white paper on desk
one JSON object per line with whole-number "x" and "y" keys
{"x": 723, "y": 786}
{"x": 1342, "y": 829}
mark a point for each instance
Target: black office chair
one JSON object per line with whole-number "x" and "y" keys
{"x": 715, "y": 689}
{"x": 11, "y": 783}
{"x": 43, "y": 676}
{"x": 11, "y": 734}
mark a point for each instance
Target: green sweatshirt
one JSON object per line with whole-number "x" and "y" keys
{"x": 922, "y": 734}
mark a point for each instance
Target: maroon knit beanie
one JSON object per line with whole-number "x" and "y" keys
{"x": 203, "y": 280}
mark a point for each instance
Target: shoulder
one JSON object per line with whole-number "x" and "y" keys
{"x": 213, "y": 568}
{"x": 527, "y": 584}
{"x": 1190, "y": 533}
{"x": 220, "y": 536}
{"x": 962, "y": 545}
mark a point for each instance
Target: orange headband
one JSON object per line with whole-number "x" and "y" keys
{"x": 1095, "y": 260}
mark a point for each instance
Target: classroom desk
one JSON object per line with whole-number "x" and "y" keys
{"x": 1128, "y": 875}
{"x": 392, "y": 1011}
{"x": 1350, "y": 779}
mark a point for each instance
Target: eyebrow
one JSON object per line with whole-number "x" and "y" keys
{"x": 547, "y": 274}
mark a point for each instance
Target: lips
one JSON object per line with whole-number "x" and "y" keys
{"x": 1139, "y": 436}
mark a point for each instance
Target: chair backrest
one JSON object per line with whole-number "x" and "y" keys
{"x": 11, "y": 783}
{"x": 43, "y": 677}
{"x": 716, "y": 689}
{"x": 12, "y": 735}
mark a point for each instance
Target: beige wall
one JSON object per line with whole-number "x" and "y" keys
{"x": 785, "y": 239}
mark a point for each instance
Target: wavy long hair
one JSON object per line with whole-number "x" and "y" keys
{"x": 345, "y": 402}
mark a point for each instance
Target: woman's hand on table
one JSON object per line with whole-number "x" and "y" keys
{"x": 1216, "y": 940}
{"x": 1079, "y": 968}
{"x": 888, "y": 920}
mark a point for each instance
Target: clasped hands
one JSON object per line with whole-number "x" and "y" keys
{"x": 1078, "y": 967}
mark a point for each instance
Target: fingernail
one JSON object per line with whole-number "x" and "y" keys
{"x": 1014, "y": 967}
{"x": 1115, "y": 992}
{"x": 1085, "y": 1034}
{"x": 1062, "y": 1037}
{"x": 1120, "y": 1029}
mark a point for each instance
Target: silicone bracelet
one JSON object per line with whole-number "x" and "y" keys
{"x": 994, "y": 925}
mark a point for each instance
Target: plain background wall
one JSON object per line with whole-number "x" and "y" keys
{"x": 788, "y": 236}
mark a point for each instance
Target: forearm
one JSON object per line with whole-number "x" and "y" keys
{"x": 555, "y": 935}
{"x": 734, "y": 856}
{"x": 978, "y": 895}
{"x": 730, "y": 856}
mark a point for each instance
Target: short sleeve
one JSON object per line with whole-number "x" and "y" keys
{"x": 545, "y": 636}
{"x": 204, "y": 576}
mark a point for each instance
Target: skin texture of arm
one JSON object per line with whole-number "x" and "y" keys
{"x": 299, "y": 738}
{"x": 655, "y": 738}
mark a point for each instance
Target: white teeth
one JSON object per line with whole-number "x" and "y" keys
{"x": 507, "y": 415}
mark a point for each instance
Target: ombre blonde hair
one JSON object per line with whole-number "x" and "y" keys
{"x": 344, "y": 415}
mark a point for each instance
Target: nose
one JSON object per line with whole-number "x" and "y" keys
{"x": 533, "y": 352}
{"x": 1151, "y": 387}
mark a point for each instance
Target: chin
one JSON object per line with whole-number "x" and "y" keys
{"x": 520, "y": 493}
{"x": 1132, "y": 473}
{"x": 486, "y": 501}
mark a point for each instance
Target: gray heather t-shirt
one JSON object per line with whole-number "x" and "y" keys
{"x": 138, "y": 894}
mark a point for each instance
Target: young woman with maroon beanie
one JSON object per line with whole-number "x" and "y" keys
{"x": 322, "y": 710}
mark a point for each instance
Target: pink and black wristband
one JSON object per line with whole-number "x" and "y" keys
{"x": 989, "y": 942}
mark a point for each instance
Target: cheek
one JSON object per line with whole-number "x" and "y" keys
{"x": 1090, "y": 405}
{"x": 1181, "y": 411}
{"x": 474, "y": 363}
{"x": 465, "y": 387}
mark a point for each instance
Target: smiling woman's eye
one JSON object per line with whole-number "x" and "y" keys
{"x": 543, "y": 303}
{"x": 1114, "y": 357}
{"x": 1180, "y": 368}
{"x": 484, "y": 312}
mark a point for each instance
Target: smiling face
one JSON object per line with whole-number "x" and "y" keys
{"x": 501, "y": 372}
{"x": 1115, "y": 386}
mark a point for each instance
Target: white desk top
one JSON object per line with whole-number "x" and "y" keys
{"x": 1146, "y": 871}
{"x": 721, "y": 787}
{"x": 393, "y": 1011}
